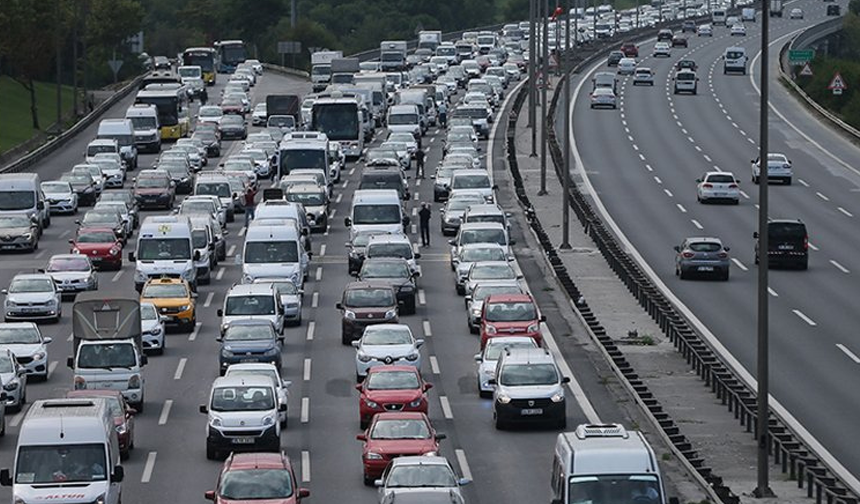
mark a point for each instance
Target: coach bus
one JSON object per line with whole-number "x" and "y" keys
{"x": 230, "y": 54}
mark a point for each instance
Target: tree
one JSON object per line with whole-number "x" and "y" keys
{"x": 112, "y": 22}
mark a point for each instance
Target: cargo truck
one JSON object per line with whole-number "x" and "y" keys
{"x": 321, "y": 68}
{"x": 343, "y": 70}
{"x": 429, "y": 39}
{"x": 283, "y": 105}
{"x": 776, "y": 8}
{"x": 392, "y": 55}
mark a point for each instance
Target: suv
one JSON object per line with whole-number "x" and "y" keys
{"x": 364, "y": 304}
{"x": 392, "y": 245}
{"x": 529, "y": 388}
{"x": 787, "y": 243}
{"x": 665, "y": 34}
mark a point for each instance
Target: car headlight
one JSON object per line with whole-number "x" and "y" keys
{"x": 416, "y": 402}
{"x": 407, "y": 287}
{"x": 28, "y": 236}
{"x": 184, "y": 308}
{"x": 226, "y": 352}
{"x": 11, "y": 304}
{"x": 154, "y": 331}
{"x": 363, "y": 357}
{"x": 134, "y": 382}
{"x": 371, "y": 404}
{"x": 272, "y": 351}
{"x": 216, "y": 422}
{"x": 76, "y": 251}
{"x": 413, "y": 356}
{"x": 113, "y": 251}
{"x": 140, "y": 277}
{"x": 246, "y": 278}
{"x": 121, "y": 429}
{"x": 558, "y": 396}
{"x": 268, "y": 420}
{"x": 12, "y": 385}
{"x": 373, "y": 456}
{"x": 39, "y": 356}
{"x": 534, "y": 327}
{"x": 80, "y": 383}
{"x": 504, "y": 398}
{"x": 390, "y": 314}
{"x": 100, "y": 499}
{"x": 491, "y": 329}
{"x": 349, "y": 315}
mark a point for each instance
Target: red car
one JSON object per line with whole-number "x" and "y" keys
{"x": 257, "y": 477}
{"x": 396, "y": 434}
{"x": 123, "y": 415}
{"x": 391, "y": 388}
{"x": 510, "y": 315}
{"x": 630, "y": 50}
{"x": 101, "y": 245}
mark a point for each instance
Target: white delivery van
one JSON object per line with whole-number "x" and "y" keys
{"x": 164, "y": 248}
{"x": 718, "y": 17}
{"x": 376, "y": 210}
{"x": 273, "y": 249}
{"x": 21, "y": 193}
{"x": 405, "y": 119}
{"x": 68, "y": 453}
{"x": 122, "y": 131}
{"x": 147, "y": 129}
{"x": 735, "y": 60}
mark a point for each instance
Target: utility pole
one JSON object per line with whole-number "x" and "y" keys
{"x": 532, "y": 74}
{"x": 763, "y": 489}
{"x": 565, "y": 198}
{"x": 545, "y": 74}
{"x": 84, "y": 73}
{"x": 557, "y": 39}
{"x": 594, "y": 20}
{"x": 59, "y": 66}
{"x": 75, "y": 62}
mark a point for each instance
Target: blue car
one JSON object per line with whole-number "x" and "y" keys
{"x": 250, "y": 341}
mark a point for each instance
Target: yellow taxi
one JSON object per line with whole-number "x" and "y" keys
{"x": 173, "y": 299}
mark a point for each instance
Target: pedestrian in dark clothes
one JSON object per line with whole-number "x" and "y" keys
{"x": 419, "y": 163}
{"x": 249, "y": 206}
{"x": 424, "y": 217}
{"x": 204, "y": 96}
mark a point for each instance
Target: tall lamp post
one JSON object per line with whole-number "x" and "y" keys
{"x": 545, "y": 82}
{"x": 565, "y": 198}
{"x": 532, "y": 71}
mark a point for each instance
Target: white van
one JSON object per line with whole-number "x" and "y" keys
{"x": 404, "y": 119}
{"x": 164, "y": 248}
{"x": 122, "y": 131}
{"x": 21, "y": 193}
{"x": 147, "y": 129}
{"x": 598, "y": 461}
{"x": 273, "y": 249}
{"x": 376, "y": 210}
{"x": 69, "y": 440}
{"x": 718, "y": 17}
{"x": 735, "y": 60}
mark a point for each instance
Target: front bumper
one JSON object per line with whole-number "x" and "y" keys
{"x": 521, "y": 411}
{"x": 34, "y": 366}
{"x": 62, "y": 206}
{"x": 31, "y": 313}
{"x": 250, "y": 439}
{"x": 153, "y": 341}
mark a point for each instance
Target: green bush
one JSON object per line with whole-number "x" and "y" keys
{"x": 846, "y": 105}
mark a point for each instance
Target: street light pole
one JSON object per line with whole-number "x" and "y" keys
{"x": 565, "y": 198}
{"x": 532, "y": 71}
{"x": 763, "y": 489}
{"x": 545, "y": 75}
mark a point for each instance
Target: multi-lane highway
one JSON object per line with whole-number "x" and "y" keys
{"x": 642, "y": 161}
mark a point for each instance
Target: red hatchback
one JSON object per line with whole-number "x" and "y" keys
{"x": 630, "y": 50}
{"x": 122, "y": 413}
{"x": 391, "y": 388}
{"x": 396, "y": 434}
{"x": 510, "y": 315}
{"x": 101, "y": 245}
{"x": 257, "y": 477}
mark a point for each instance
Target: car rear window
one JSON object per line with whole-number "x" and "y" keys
{"x": 721, "y": 179}
{"x": 704, "y": 247}
{"x": 786, "y": 231}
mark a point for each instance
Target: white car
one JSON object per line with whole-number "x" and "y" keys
{"x": 643, "y": 75}
{"x": 32, "y": 296}
{"x": 795, "y": 13}
{"x": 258, "y": 116}
{"x": 152, "y": 328}
{"x": 627, "y": 66}
{"x": 417, "y": 475}
{"x": 718, "y": 185}
{"x": 210, "y": 114}
{"x": 474, "y": 253}
{"x": 738, "y": 30}
{"x": 72, "y": 273}
{"x": 662, "y": 49}
{"x": 386, "y": 344}
{"x": 28, "y": 345}
{"x": 60, "y": 196}
{"x": 489, "y": 357}
{"x": 705, "y": 30}
{"x": 489, "y": 271}
{"x": 603, "y": 97}
{"x": 266, "y": 369}
{"x": 14, "y": 380}
{"x": 778, "y": 168}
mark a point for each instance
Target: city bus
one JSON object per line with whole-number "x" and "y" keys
{"x": 340, "y": 118}
{"x": 204, "y": 57}
{"x": 160, "y": 77}
{"x": 230, "y": 54}
{"x": 173, "y": 110}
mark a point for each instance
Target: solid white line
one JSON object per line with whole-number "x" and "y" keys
{"x": 117, "y": 275}
{"x": 193, "y": 335}
{"x": 208, "y": 297}
{"x": 231, "y": 250}
{"x": 220, "y": 274}
{"x": 446, "y": 407}
{"x": 846, "y": 212}
{"x": 52, "y": 367}
{"x": 322, "y": 250}
{"x": 696, "y": 223}
{"x": 315, "y": 300}
{"x": 681, "y": 207}
{"x": 165, "y": 411}
{"x": 434, "y": 365}
{"x": 147, "y": 469}
{"x": 838, "y": 266}
{"x": 772, "y": 292}
{"x": 319, "y": 273}
{"x": 465, "y": 471}
{"x": 306, "y": 466}
{"x": 311, "y": 328}
{"x": 306, "y": 374}
{"x": 804, "y": 317}
{"x": 180, "y": 368}
{"x": 668, "y": 193}
{"x": 422, "y": 300}
{"x": 426, "y": 326}
{"x": 306, "y": 407}
{"x": 851, "y": 355}
{"x": 825, "y": 198}
{"x": 739, "y": 264}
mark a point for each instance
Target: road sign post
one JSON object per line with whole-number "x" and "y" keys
{"x": 796, "y": 57}
{"x": 806, "y": 71}
{"x": 837, "y": 84}
{"x": 289, "y": 47}
{"x": 115, "y": 65}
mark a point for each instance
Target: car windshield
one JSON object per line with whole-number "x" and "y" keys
{"x": 243, "y": 398}
{"x": 511, "y": 312}
{"x": 460, "y": 204}
{"x": 246, "y": 332}
{"x": 148, "y": 312}
{"x": 385, "y": 269}
{"x": 31, "y": 285}
{"x": 492, "y": 272}
{"x": 376, "y": 214}
{"x": 271, "y": 252}
{"x": 199, "y": 238}
{"x": 192, "y": 207}
{"x": 483, "y": 254}
{"x": 721, "y": 179}
{"x": 96, "y": 237}
{"x": 250, "y": 305}
{"x": 92, "y": 218}
{"x": 494, "y": 349}
{"x": 704, "y": 247}
{"x": 14, "y": 221}
{"x": 256, "y": 484}
{"x": 400, "y": 429}
{"x": 403, "y": 250}
{"x": 423, "y": 475}
{"x": 369, "y": 298}
{"x": 68, "y": 264}
{"x": 63, "y": 463}
{"x": 387, "y": 336}
{"x": 164, "y": 249}
{"x": 482, "y": 292}
{"x": 56, "y": 187}
{"x": 210, "y": 112}
{"x": 786, "y": 231}
{"x": 641, "y": 489}
{"x": 233, "y": 120}
{"x": 19, "y": 335}
{"x": 17, "y": 200}
{"x": 168, "y": 290}
{"x": 307, "y": 198}
{"x": 104, "y": 355}
{"x": 528, "y": 374}
{"x": 152, "y": 182}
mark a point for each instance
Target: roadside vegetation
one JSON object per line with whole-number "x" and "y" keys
{"x": 16, "y": 126}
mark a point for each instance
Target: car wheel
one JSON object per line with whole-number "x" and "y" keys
{"x": 499, "y": 425}
{"x": 138, "y": 406}
{"x": 804, "y": 265}
{"x": 788, "y": 181}
{"x": 211, "y": 452}
{"x": 368, "y": 481}
{"x": 682, "y": 274}
{"x": 409, "y": 307}
{"x": 725, "y": 276}
{"x": 755, "y": 179}
{"x": 561, "y": 423}
{"x": 345, "y": 338}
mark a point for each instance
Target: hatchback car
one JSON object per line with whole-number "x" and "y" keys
{"x": 718, "y": 186}
{"x": 100, "y": 244}
{"x": 627, "y": 66}
{"x": 397, "y": 273}
{"x": 787, "y": 244}
{"x": 738, "y": 30}
{"x": 489, "y": 357}
{"x": 396, "y": 434}
{"x": 510, "y": 315}
{"x": 122, "y": 413}
{"x": 60, "y": 196}
{"x": 630, "y": 49}
{"x": 603, "y": 98}
{"x": 356, "y": 250}
{"x": 152, "y": 328}
{"x": 250, "y": 341}
{"x": 252, "y": 301}
{"x": 665, "y": 34}
{"x": 233, "y": 127}
{"x": 174, "y": 299}
{"x": 529, "y": 389}
{"x": 363, "y": 304}
{"x": 249, "y": 477}
{"x": 73, "y": 273}
{"x": 26, "y": 342}
{"x": 643, "y": 75}
{"x": 705, "y": 30}
{"x": 154, "y": 189}
{"x": 32, "y": 296}
{"x": 473, "y": 254}
{"x": 614, "y": 57}
{"x": 679, "y": 41}
{"x": 795, "y": 13}
{"x": 454, "y": 209}
{"x": 386, "y": 344}
{"x": 489, "y": 271}
{"x": 83, "y": 186}
{"x": 425, "y": 477}
{"x": 702, "y": 256}
{"x": 19, "y": 232}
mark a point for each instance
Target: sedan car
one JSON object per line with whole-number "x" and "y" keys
{"x": 662, "y": 49}
{"x": 396, "y": 434}
{"x": 475, "y": 253}
{"x": 407, "y": 475}
{"x": 614, "y": 57}
{"x": 397, "y": 273}
{"x": 60, "y": 196}
{"x": 152, "y": 328}
{"x": 386, "y": 344}
{"x": 795, "y": 13}
{"x": 83, "y": 186}
{"x": 452, "y": 213}
{"x": 18, "y": 232}
{"x": 705, "y": 256}
{"x": 679, "y": 41}
{"x": 665, "y": 34}
{"x": 72, "y": 273}
{"x": 364, "y": 304}
{"x": 210, "y": 114}
{"x": 718, "y": 186}
{"x": 100, "y": 244}
{"x": 257, "y": 477}
{"x": 485, "y": 271}
{"x": 233, "y": 127}
{"x": 174, "y": 299}
{"x": 738, "y": 30}
{"x": 705, "y": 30}
{"x": 32, "y": 296}
{"x": 14, "y": 379}
{"x": 250, "y": 340}
{"x": 627, "y": 66}
{"x": 643, "y": 75}
{"x": 603, "y": 97}
{"x": 489, "y": 357}
{"x": 122, "y": 413}
{"x": 778, "y": 168}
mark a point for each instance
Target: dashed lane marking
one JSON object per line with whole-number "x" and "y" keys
{"x": 696, "y": 223}
{"x": 208, "y": 299}
{"x": 311, "y": 328}
{"x": 464, "y": 464}
{"x": 668, "y": 193}
{"x": 846, "y": 212}
{"x": 118, "y": 274}
{"x": 220, "y": 274}
{"x": 165, "y": 412}
{"x": 319, "y": 273}
{"x": 427, "y": 331}
{"x": 838, "y": 266}
{"x": 434, "y": 365}
{"x": 231, "y": 250}
{"x": 446, "y": 407}
{"x": 322, "y": 250}
{"x": 147, "y": 469}
{"x": 193, "y": 335}
{"x": 825, "y": 198}
{"x": 804, "y": 318}
{"x": 851, "y": 355}
{"x": 306, "y": 407}
{"x": 180, "y": 368}
{"x": 306, "y": 373}
{"x": 315, "y": 300}
{"x": 306, "y": 466}
{"x": 739, "y": 264}
{"x": 681, "y": 207}
{"x": 422, "y": 299}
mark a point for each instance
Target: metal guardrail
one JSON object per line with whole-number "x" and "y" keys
{"x": 805, "y": 38}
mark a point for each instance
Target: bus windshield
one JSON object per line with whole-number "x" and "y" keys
{"x": 168, "y": 108}
{"x": 164, "y": 249}
{"x": 294, "y": 159}
{"x": 233, "y": 54}
{"x": 339, "y": 121}
{"x": 205, "y": 60}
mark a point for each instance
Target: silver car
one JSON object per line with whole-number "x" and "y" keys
{"x": 291, "y": 298}
{"x": 152, "y": 328}
{"x": 14, "y": 380}
{"x": 32, "y": 296}
{"x": 386, "y": 344}
{"x": 705, "y": 256}
{"x": 475, "y": 301}
{"x": 28, "y": 345}
{"x": 420, "y": 475}
{"x": 488, "y": 359}
{"x": 60, "y": 196}
{"x": 489, "y": 271}
{"x": 72, "y": 273}
{"x": 475, "y": 253}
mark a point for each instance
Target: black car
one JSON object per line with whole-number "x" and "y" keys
{"x": 787, "y": 244}
{"x": 833, "y": 10}
{"x": 686, "y": 64}
{"x": 688, "y": 26}
{"x": 250, "y": 341}
{"x": 83, "y": 186}
{"x": 396, "y": 273}
{"x": 614, "y": 58}
{"x": 679, "y": 41}
{"x": 665, "y": 34}
{"x": 233, "y": 126}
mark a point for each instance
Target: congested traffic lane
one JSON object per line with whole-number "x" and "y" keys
{"x": 646, "y": 178}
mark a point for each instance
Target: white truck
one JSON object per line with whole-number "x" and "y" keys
{"x": 343, "y": 70}
{"x": 321, "y": 68}
{"x": 392, "y": 55}
{"x": 429, "y": 39}
{"x": 775, "y": 8}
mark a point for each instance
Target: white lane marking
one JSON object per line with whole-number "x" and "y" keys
{"x": 315, "y": 300}
{"x": 630, "y": 138}
{"x": 739, "y": 264}
{"x": 165, "y": 412}
{"x": 117, "y": 275}
{"x": 684, "y": 131}
{"x": 635, "y": 147}
{"x": 446, "y": 407}
{"x": 39, "y": 254}
{"x": 242, "y": 231}
{"x": 180, "y": 368}
{"x": 434, "y": 365}
{"x": 772, "y": 292}
{"x": 66, "y": 232}
{"x": 193, "y": 335}
{"x": 414, "y": 211}
{"x": 668, "y": 193}
{"x": 338, "y": 199}
{"x": 813, "y": 247}
{"x": 696, "y": 223}
{"x": 698, "y": 149}
{"x": 231, "y": 250}
{"x": 804, "y": 317}
{"x": 416, "y": 197}
{"x": 465, "y": 471}
{"x": 803, "y": 182}
{"x": 657, "y": 179}
{"x": 750, "y": 140}
{"x": 426, "y": 326}
{"x": 691, "y": 140}
{"x": 322, "y": 250}
{"x": 846, "y": 212}
{"x": 745, "y": 195}
{"x": 306, "y": 466}
{"x": 306, "y": 409}
{"x": 345, "y": 183}
{"x": 352, "y": 170}
{"x": 422, "y": 299}
{"x": 707, "y": 158}
{"x": 851, "y": 355}
{"x": 52, "y": 367}
{"x": 220, "y": 274}
{"x": 71, "y": 337}
{"x": 838, "y": 266}
{"x": 641, "y": 157}
{"x": 825, "y": 198}
{"x": 306, "y": 373}
{"x": 331, "y": 214}
{"x": 311, "y": 328}
{"x": 649, "y": 168}
{"x": 208, "y": 300}
{"x": 319, "y": 273}
{"x": 147, "y": 469}
{"x": 681, "y": 207}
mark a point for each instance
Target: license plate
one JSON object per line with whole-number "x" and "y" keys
{"x": 531, "y": 411}
{"x": 786, "y": 247}
{"x": 243, "y": 440}
{"x": 706, "y": 268}
{"x": 247, "y": 360}
{"x": 8, "y": 247}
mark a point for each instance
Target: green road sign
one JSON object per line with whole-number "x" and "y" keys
{"x": 800, "y": 57}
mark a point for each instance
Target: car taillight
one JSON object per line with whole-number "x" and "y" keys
{"x": 805, "y": 242}
{"x": 688, "y": 255}
{"x": 733, "y": 186}
{"x": 722, "y": 255}
{"x": 708, "y": 186}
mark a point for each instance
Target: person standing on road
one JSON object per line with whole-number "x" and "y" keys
{"x": 419, "y": 163}
{"x": 204, "y": 96}
{"x": 424, "y": 217}
{"x": 443, "y": 114}
{"x": 249, "y": 206}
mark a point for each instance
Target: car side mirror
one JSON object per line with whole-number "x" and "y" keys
{"x": 361, "y": 437}
{"x": 282, "y": 408}
{"x": 726, "y": 249}
{"x": 565, "y": 379}
{"x": 204, "y": 409}
{"x": 5, "y": 477}
{"x": 463, "y": 481}
{"x": 440, "y": 436}
{"x": 452, "y": 242}
{"x": 144, "y": 360}
{"x": 339, "y": 306}
{"x": 377, "y": 483}
{"x": 676, "y": 248}
{"x": 118, "y": 474}
{"x": 417, "y": 255}
{"x": 209, "y": 495}
{"x": 428, "y": 386}
{"x": 304, "y": 492}
{"x": 356, "y": 343}
{"x": 419, "y": 343}
{"x": 131, "y": 257}
{"x": 491, "y": 381}
{"x": 347, "y": 221}
{"x": 47, "y": 340}
{"x": 70, "y": 362}
{"x": 220, "y": 312}
{"x": 542, "y": 318}
{"x": 755, "y": 235}
{"x": 40, "y": 205}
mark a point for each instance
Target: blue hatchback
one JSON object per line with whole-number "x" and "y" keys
{"x": 250, "y": 341}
